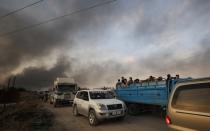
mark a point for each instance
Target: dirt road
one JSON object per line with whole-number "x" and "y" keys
{"x": 65, "y": 121}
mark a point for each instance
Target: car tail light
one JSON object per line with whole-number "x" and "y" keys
{"x": 168, "y": 120}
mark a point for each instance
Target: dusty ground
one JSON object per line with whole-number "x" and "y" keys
{"x": 65, "y": 121}
{"x": 28, "y": 114}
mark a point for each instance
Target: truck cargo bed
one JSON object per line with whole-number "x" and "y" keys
{"x": 147, "y": 93}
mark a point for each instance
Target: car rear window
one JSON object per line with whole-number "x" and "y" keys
{"x": 194, "y": 97}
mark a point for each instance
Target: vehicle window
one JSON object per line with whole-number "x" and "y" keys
{"x": 66, "y": 88}
{"x": 78, "y": 95}
{"x": 195, "y": 97}
{"x": 85, "y": 96}
{"x": 101, "y": 95}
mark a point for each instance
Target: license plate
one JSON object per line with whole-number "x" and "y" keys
{"x": 116, "y": 113}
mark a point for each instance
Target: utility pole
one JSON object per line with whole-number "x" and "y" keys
{"x": 8, "y": 85}
{"x": 14, "y": 80}
{"x": 5, "y": 92}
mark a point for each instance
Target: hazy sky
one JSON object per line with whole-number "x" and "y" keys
{"x": 135, "y": 38}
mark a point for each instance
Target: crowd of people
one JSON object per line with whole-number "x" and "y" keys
{"x": 123, "y": 82}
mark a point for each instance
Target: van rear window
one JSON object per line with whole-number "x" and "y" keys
{"x": 194, "y": 97}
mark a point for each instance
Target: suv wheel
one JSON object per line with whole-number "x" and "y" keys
{"x": 55, "y": 103}
{"x": 92, "y": 118}
{"x": 75, "y": 111}
{"x": 133, "y": 109}
{"x": 50, "y": 101}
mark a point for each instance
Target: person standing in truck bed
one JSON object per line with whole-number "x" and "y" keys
{"x": 118, "y": 84}
{"x": 130, "y": 81}
{"x": 168, "y": 82}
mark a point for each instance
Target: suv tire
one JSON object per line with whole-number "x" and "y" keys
{"x": 75, "y": 111}
{"x": 133, "y": 109}
{"x": 50, "y": 101}
{"x": 55, "y": 103}
{"x": 92, "y": 118}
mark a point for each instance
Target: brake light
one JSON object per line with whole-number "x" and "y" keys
{"x": 168, "y": 120}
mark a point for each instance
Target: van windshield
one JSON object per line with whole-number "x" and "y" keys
{"x": 66, "y": 88}
{"x": 101, "y": 95}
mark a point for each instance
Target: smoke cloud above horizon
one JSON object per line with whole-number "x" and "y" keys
{"x": 135, "y": 38}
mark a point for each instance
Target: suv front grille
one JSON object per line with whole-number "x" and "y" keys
{"x": 114, "y": 106}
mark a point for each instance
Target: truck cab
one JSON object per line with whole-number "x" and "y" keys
{"x": 63, "y": 91}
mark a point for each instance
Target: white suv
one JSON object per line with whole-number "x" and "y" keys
{"x": 98, "y": 105}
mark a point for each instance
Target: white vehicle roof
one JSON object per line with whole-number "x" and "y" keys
{"x": 95, "y": 90}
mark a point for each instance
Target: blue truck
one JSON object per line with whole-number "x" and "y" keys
{"x": 147, "y": 95}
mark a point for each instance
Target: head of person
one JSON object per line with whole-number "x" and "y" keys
{"x": 168, "y": 76}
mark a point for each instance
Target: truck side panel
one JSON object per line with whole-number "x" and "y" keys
{"x": 147, "y": 93}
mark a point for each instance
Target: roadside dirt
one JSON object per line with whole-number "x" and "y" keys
{"x": 29, "y": 114}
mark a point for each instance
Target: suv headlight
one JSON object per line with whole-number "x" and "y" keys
{"x": 124, "y": 106}
{"x": 101, "y": 106}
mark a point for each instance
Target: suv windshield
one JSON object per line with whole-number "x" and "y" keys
{"x": 66, "y": 88}
{"x": 101, "y": 95}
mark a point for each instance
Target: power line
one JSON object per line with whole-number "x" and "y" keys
{"x": 17, "y": 10}
{"x": 56, "y": 18}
